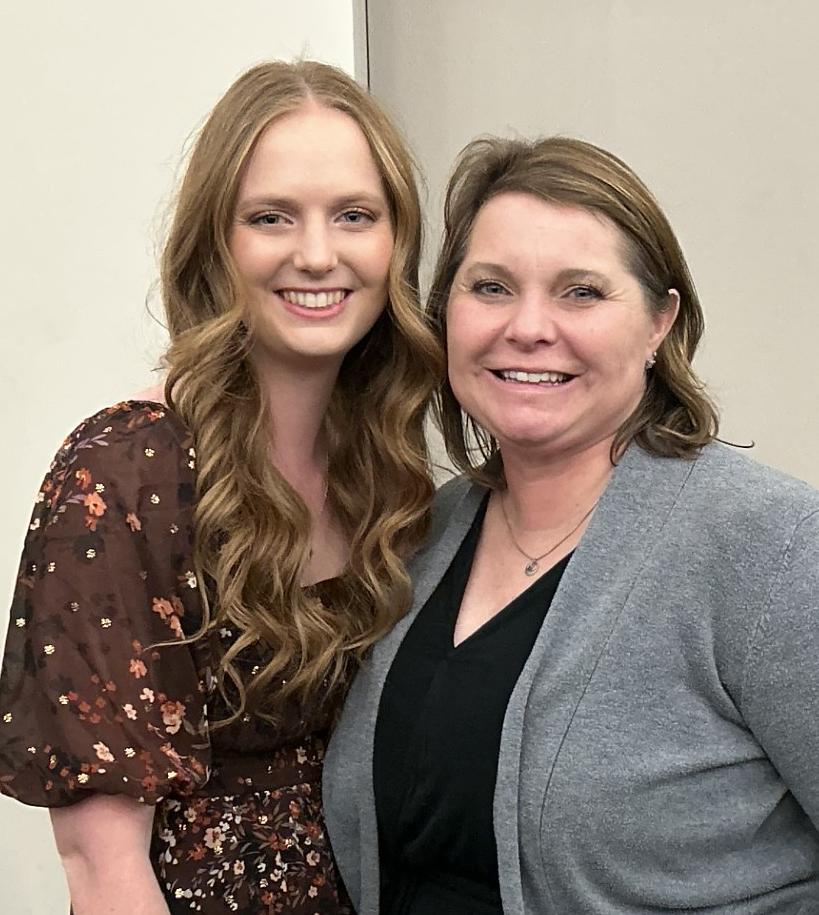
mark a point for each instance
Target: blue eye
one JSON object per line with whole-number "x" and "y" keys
{"x": 357, "y": 217}
{"x": 585, "y": 293}
{"x": 488, "y": 287}
{"x": 266, "y": 219}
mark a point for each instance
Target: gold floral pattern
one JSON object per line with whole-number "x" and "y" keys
{"x": 96, "y": 697}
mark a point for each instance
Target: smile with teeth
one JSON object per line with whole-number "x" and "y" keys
{"x": 533, "y": 377}
{"x": 324, "y": 299}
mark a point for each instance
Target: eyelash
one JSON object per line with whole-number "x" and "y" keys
{"x": 354, "y": 211}
{"x": 479, "y": 287}
{"x": 259, "y": 219}
{"x": 587, "y": 287}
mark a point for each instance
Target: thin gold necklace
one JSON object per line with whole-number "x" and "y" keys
{"x": 533, "y": 562}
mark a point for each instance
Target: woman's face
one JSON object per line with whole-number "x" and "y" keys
{"x": 547, "y": 331}
{"x": 312, "y": 238}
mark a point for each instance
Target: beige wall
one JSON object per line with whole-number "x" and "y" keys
{"x": 713, "y": 103}
{"x": 98, "y": 99}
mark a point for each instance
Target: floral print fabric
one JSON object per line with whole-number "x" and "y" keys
{"x": 96, "y": 696}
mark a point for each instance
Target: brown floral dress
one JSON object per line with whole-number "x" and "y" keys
{"x": 91, "y": 701}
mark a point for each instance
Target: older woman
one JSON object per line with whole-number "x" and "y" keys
{"x": 605, "y": 697}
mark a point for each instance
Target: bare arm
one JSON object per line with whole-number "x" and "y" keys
{"x": 103, "y": 843}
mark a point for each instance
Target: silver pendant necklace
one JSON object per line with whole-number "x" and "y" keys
{"x": 533, "y": 562}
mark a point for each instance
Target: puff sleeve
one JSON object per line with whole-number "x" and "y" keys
{"x": 90, "y": 698}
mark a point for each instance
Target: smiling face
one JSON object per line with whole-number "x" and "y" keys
{"x": 312, "y": 238}
{"x": 548, "y": 332}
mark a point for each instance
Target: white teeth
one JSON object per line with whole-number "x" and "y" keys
{"x": 534, "y": 377}
{"x": 322, "y": 299}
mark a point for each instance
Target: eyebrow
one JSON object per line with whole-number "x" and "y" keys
{"x": 289, "y": 203}
{"x": 485, "y": 267}
{"x": 569, "y": 275}
{"x": 577, "y": 275}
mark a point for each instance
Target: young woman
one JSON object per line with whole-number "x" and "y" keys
{"x": 202, "y": 571}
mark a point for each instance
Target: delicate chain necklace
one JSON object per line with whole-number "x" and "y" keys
{"x": 533, "y": 563}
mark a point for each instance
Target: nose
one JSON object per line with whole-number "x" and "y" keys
{"x": 315, "y": 252}
{"x": 532, "y": 321}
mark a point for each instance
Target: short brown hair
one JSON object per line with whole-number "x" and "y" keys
{"x": 675, "y": 416}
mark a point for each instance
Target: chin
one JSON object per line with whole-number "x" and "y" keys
{"x": 543, "y": 441}
{"x": 315, "y": 346}
{"x": 531, "y": 447}
{"x": 322, "y": 357}
{"x": 524, "y": 425}
{"x": 534, "y": 439}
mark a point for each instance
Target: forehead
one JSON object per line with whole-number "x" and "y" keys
{"x": 312, "y": 148}
{"x": 524, "y": 228}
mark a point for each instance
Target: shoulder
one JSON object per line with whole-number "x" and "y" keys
{"x": 448, "y": 497}
{"x": 127, "y": 434}
{"x": 453, "y": 510}
{"x": 728, "y": 501}
{"x": 117, "y": 455}
{"x": 734, "y": 481}
{"x": 451, "y": 492}
{"x": 123, "y": 427}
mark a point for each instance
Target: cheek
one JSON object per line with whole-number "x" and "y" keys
{"x": 616, "y": 348}
{"x": 454, "y": 351}
{"x": 251, "y": 257}
{"x": 236, "y": 251}
{"x": 459, "y": 388}
{"x": 460, "y": 330}
{"x": 623, "y": 375}
{"x": 375, "y": 260}
{"x": 459, "y": 363}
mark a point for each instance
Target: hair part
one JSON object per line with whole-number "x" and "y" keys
{"x": 252, "y": 530}
{"x": 675, "y": 416}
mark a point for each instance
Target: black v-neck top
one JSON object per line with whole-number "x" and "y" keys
{"x": 437, "y": 741}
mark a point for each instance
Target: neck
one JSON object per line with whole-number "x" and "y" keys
{"x": 546, "y": 493}
{"x": 297, "y": 401}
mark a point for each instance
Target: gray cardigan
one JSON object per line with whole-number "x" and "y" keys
{"x": 660, "y": 751}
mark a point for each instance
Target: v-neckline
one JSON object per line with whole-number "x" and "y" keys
{"x": 540, "y": 584}
{"x": 459, "y": 577}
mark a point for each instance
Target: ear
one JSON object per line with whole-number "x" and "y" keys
{"x": 664, "y": 320}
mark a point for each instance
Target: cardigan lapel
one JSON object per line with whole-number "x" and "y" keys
{"x": 595, "y": 587}
{"x": 426, "y": 569}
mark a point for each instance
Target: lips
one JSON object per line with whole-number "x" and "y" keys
{"x": 316, "y": 300}
{"x": 546, "y": 377}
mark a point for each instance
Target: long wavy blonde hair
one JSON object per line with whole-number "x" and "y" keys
{"x": 675, "y": 416}
{"x": 252, "y": 530}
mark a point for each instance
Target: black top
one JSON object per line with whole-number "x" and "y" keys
{"x": 437, "y": 741}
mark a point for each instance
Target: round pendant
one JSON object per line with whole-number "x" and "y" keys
{"x": 531, "y": 567}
